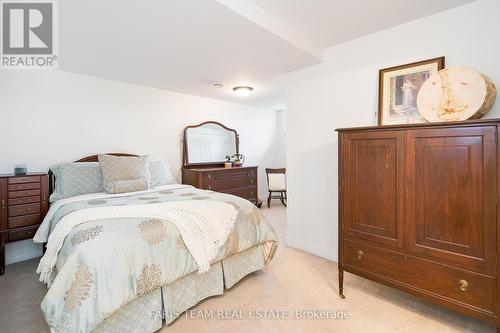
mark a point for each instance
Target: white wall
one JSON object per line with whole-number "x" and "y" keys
{"x": 280, "y": 142}
{"x": 50, "y": 117}
{"x": 343, "y": 92}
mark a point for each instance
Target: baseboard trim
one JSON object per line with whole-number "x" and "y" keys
{"x": 317, "y": 251}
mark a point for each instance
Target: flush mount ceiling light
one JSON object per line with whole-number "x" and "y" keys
{"x": 243, "y": 91}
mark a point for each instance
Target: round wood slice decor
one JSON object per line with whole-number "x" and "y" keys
{"x": 454, "y": 94}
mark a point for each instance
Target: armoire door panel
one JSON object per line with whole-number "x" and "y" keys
{"x": 372, "y": 182}
{"x": 450, "y": 194}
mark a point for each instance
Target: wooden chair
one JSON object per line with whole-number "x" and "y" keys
{"x": 276, "y": 183}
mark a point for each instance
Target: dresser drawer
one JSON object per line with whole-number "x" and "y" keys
{"x": 27, "y": 193}
{"x": 24, "y": 221}
{"x": 24, "y": 200}
{"x": 18, "y": 235}
{"x": 235, "y": 183}
{"x": 24, "y": 186}
{"x": 209, "y": 175}
{"x": 232, "y": 173}
{"x": 443, "y": 282}
{"x": 210, "y": 185}
{"x": 247, "y": 193}
{"x": 24, "y": 209}
{"x": 24, "y": 179}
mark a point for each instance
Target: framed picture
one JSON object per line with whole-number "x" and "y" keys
{"x": 398, "y": 90}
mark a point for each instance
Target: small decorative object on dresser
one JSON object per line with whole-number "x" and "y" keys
{"x": 207, "y": 147}
{"x": 398, "y": 90}
{"x": 418, "y": 211}
{"x": 23, "y": 205}
{"x": 20, "y": 169}
{"x": 456, "y": 94}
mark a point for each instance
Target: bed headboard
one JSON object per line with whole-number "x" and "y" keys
{"x": 91, "y": 158}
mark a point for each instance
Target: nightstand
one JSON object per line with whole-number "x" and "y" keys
{"x": 23, "y": 205}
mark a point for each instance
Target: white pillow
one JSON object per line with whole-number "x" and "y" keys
{"x": 277, "y": 182}
{"x": 160, "y": 173}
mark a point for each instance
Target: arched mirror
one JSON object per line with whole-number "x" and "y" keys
{"x": 208, "y": 144}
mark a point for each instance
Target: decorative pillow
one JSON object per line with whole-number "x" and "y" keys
{"x": 75, "y": 179}
{"x": 277, "y": 182}
{"x": 160, "y": 173}
{"x": 122, "y": 186}
{"x": 123, "y": 168}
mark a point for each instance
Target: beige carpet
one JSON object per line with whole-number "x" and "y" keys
{"x": 294, "y": 281}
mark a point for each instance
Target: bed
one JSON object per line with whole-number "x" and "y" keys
{"x": 135, "y": 261}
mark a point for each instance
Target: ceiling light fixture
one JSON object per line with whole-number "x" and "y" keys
{"x": 243, "y": 91}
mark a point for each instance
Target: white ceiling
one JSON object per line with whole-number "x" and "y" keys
{"x": 187, "y": 45}
{"x": 330, "y": 22}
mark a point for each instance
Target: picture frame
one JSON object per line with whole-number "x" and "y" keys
{"x": 398, "y": 90}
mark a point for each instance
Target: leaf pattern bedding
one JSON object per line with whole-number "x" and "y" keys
{"x": 105, "y": 264}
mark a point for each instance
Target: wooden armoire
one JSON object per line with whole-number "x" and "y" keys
{"x": 418, "y": 211}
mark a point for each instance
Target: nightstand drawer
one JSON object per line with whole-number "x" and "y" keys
{"x": 18, "y": 235}
{"x": 24, "y": 209}
{"x": 27, "y": 186}
{"x": 24, "y": 179}
{"x": 27, "y": 193}
{"x": 24, "y": 221}
{"x": 24, "y": 200}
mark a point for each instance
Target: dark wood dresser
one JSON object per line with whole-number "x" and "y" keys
{"x": 418, "y": 211}
{"x": 23, "y": 205}
{"x": 240, "y": 181}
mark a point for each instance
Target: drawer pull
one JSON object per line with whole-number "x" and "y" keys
{"x": 3, "y": 203}
{"x": 209, "y": 187}
{"x": 209, "y": 175}
{"x": 251, "y": 181}
{"x": 464, "y": 285}
{"x": 360, "y": 254}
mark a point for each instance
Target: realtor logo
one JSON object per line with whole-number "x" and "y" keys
{"x": 28, "y": 32}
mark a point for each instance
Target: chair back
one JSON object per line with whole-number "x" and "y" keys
{"x": 276, "y": 179}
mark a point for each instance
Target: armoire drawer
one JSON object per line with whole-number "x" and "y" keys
{"x": 443, "y": 282}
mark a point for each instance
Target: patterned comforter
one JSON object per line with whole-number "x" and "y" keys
{"x": 105, "y": 264}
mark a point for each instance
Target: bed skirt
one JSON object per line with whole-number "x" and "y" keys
{"x": 162, "y": 306}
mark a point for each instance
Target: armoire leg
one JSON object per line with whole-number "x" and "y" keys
{"x": 341, "y": 284}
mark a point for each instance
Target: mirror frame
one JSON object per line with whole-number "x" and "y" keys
{"x": 185, "y": 159}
